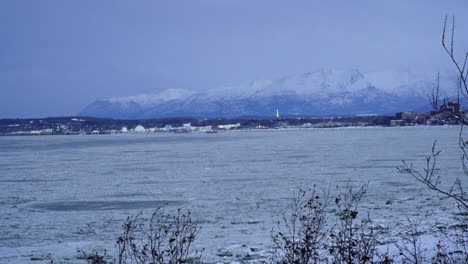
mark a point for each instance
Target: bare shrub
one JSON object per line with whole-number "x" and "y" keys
{"x": 450, "y": 256}
{"x": 353, "y": 240}
{"x": 305, "y": 235}
{"x": 95, "y": 258}
{"x": 409, "y": 246}
{"x": 300, "y": 232}
{"x": 163, "y": 238}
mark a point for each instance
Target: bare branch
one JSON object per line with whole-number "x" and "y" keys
{"x": 460, "y": 69}
{"x": 431, "y": 180}
{"x": 434, "y": 98}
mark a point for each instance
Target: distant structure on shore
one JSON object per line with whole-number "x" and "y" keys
{"x": 139, "y": 129}
{"x": 445, "y": 115}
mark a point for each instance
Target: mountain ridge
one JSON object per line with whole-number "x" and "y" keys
{"x": 324, "y": 92}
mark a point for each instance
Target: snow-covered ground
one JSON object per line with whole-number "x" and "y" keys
{"x": 61, "y": 194}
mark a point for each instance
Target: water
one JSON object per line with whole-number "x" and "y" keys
{"x": 63, "y": 193}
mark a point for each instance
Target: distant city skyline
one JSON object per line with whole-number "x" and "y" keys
{"x": 59, "y": 56}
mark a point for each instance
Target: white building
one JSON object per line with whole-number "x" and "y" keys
{"x": 139, "y": 129}
{"x": 229, "y": 126}
{"x": 204, "y": 128}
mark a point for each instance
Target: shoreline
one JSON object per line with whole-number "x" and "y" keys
{"x": 247, "y": 129}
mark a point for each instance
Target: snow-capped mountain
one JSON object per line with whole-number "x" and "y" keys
{"x": 324, "y": 92}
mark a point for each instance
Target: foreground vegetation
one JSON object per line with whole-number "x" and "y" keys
{"x": 316, "y": 228}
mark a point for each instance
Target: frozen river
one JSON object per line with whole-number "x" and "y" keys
{"x": 63, "y": 193}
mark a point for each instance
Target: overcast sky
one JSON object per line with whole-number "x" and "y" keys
{"x": 58, "y": 56}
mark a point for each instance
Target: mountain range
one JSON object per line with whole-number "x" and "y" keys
{"x": 324, "y": 92}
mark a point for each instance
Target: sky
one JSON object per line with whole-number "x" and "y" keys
{"x": 58, "y": 56}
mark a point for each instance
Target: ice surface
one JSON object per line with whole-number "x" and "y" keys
{"x": 63, "y": 193}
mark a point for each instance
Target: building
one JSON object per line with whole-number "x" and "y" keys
{"x": 452, "y": 107}
{"x": 397, "y": 122}
{"x": 422, "y": 119}
{"x": 140, "y": 129}
{"x": 406, "y": 116}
